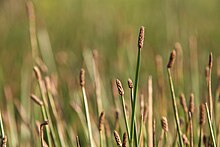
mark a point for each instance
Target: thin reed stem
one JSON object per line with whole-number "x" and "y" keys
{"x": 121, "y": 93}
{"x": 87, "y": 115}
{"x": 125, "y": 116}
{"x": 77, "y": 141}
{"x": 141, "y": 130}
{"x": 140, "y": 45}
{"x": 2, "y": 130}
{"x": 210, "y": 125}
{"x": 150, "y": 112}
{"x": 42, "y": 88}
{"x": 175, "y": 107}
{"x": 54, "y": 110}
{"x": 45, "y": 123}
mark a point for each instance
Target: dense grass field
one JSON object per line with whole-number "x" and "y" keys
{"x": 109, "y": 73}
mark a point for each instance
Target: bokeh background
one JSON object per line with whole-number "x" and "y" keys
{"x": 69, "y": 30}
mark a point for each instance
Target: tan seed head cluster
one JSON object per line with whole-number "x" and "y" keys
{"x": 37, "y": 73}
{"x": 117, "y": 139}
{"x": 119, "y": 86}
{"x": 101, "y": 121}
{"x": 164, "y": 124}
{"x": 124, "y": 143}
{"x": 185, "y": 139}
{"x": 141, "y": 37}
{"x": 130, "y": 83}
{"x": 202, "y": 115}
{"x": 183, "y": 103}
{"x": 191, "y": 103}
{"x": 210, "y": 60}
{"x": 172, "y": 59}
{"x": 82, "y": 77}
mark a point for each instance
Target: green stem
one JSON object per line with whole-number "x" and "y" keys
{"x": 101, "y": 139}
{"x": 125, "y": 116}
{"x": 47, "y": 127}
{"x": 1, "y": 126}
{"x": 135, "y": 128}
{"x": 175, "y": 107}
{"x": 87, "y": 116}
{"x": 55, "y": 113}
{"x": 135, "y": 94}
{"x": 210, "y": 125}
{"x": 200, "y": 136}
{"x": 140, "y": 134}
{"x": 43, "y": 94}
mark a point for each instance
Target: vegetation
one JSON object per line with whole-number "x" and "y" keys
{"x": 79, "y": 98}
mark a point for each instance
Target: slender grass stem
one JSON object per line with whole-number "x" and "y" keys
{"x": 175, "y": 107}
{"x": 87, "y": 115}
{"x": 43, "y": 94}
{"x": 125, "y": 116}
{"x": 200, "y": 136}
{"x": 47, "y": 127}
{"x": 210, "y": 125}
{"x": 141, "y": 130}
{"x": 130, "y": 84}
{"x": 135, "y": 94}
{"x": 55, "y": 113}
{"x": 2, "y": 128}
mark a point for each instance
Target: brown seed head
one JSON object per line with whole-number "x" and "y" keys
{"x": 183, "y": 102}
{"x": 172, "y": 59}
{"x": 82, "y": 77}
{"x": 202, "y": 115}
{"x": 185, "y": 139}
{"x": 124, "y": 144}
{"x": 191, "y": 103}
{"x": 117, "y": 138}
{"x": 4, "y": 141}
{"x": 37, "y": 73}
{"x": 36, "y": 100}
{"x": 210, "y": 60}
{"x": 130, "y": 83}
{"x": 164, "y": 124}
{"x": 119, "y": 86}
{"x": 101, "y": 121}
{"x": 141, "y": 38}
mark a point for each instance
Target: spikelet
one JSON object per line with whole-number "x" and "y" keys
{"x": 36, "y": 100}
{"x": 119, "y": 86}
{"x": 4, "y": 141}
{"x": 130, "y": 83}
{"x": 124, "y": 143}
{"x": 141, "y": 38}
{"x": 37, "y": 73}
{"x": 183, "y": 103}
{"x": 191, "y": 103}
{"x": 117, "y": 139}
{"x": 185, "y": 139}
{"x": 82, "y": 77}
{"x": 210, "y": 60}
{"x": 202, "y": 115}
{"x": 164, "y": 124}
{"x": 172, "y": 59}
{"x": 43, "y": 144}
{"x": 101, "y": 121}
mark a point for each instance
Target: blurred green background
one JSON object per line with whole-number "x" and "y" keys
{"x": 111, "y": 27}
